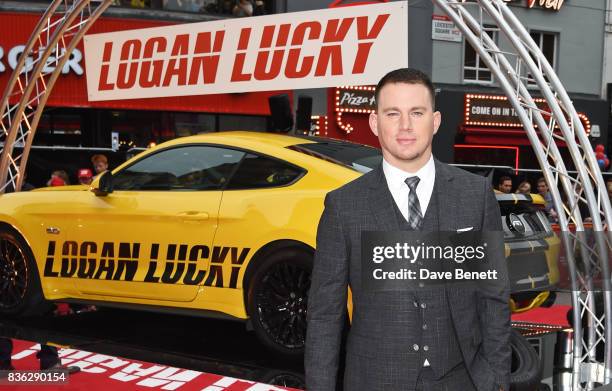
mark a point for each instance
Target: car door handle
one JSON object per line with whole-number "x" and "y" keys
{"x": 194, "y": 215}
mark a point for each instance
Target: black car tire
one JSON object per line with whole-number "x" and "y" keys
{"x": 278, "y": 299}
{"x": 20, "y": 290}
{"x": 278, "y": 377}
{"x": 526, "y": 374}
{"x": 552, "y": 297}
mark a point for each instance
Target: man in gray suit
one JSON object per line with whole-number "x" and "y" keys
{"x": 436, "y": 338}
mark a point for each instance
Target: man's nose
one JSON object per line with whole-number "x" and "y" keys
{"x": 405, "y": 122}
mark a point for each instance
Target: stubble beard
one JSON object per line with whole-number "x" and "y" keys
{"x": 409, "y": 156}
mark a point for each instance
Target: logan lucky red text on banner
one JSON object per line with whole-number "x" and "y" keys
{"x": 313, "y": 49}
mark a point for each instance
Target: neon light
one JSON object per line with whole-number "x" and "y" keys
{"x": 347, "y": 128}
{"x": 318, "y": 119}
{"x": 468, "y": 98}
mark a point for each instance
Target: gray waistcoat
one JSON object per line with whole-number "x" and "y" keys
{"x": 436, "y": 339}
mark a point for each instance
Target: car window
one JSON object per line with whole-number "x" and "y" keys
{"x": 359, "y": 157}
{"x": 260, "y": 172}
{"x": 183, "y": 168}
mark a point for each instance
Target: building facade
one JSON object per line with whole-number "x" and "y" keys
{"x": 72, "y": 128}
{"x": 570, "y": 34}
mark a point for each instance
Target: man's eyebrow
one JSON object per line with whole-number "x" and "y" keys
{"x": 393, "y": 108}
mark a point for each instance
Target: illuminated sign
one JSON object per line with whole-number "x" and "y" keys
{"x": 497, "y": 111}
{"x": 353, "y": 100}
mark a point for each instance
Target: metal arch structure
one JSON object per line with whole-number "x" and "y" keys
{"x": 60, "y": 29}
{"x": 65, "y": 22}
{"x": 515, "y": 68}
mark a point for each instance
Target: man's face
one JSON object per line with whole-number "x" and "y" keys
{"x": 525, "y": 188}
{"x": 405, "y": 123}
{"x": 100, "y": 166}
{"x": 505, "y": 186}
{"x": 542, "y": 187}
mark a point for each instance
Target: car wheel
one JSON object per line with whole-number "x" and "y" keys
{"x": 550, "y": 300}
{"x": 20, "y": 291}
{"x": 526, "y": 374}
{"x": 283, "y": 378}
{"x": 278, "y": 299}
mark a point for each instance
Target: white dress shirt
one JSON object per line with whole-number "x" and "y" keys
{"x": 399, "y": 189}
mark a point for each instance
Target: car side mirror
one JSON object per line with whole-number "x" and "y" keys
{"x": 104, "y": 185}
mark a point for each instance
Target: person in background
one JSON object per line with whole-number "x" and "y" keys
{"x": 85, "y": 176}
{"x": 48, "y": 356}
{"x": 58, "y": 178}
{"x": 243, "y": 8}
{"x": 260, "y": 8}
{"x": 100, "y": 163}
{"x": 549, "y": 206}
{"x": 524, "y": 188}
{"x": 505, "y": 184}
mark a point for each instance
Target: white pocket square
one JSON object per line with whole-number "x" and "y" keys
{"x": 465, "y": 229}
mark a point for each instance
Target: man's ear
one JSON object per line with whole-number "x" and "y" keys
{"x": 437, "y": 120}
{"x": 373, "y": 121}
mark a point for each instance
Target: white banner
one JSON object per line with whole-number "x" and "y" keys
{"x": 323, "y": 48}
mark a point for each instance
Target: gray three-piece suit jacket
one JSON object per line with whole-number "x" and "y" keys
{"x": 461, "y": 326}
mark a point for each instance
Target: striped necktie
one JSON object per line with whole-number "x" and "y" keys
{"x": 415, "y": 217}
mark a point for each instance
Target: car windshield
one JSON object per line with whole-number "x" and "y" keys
{"x": 359, "y": 157}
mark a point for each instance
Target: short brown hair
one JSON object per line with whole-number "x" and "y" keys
{"x": 408, "y": 76}
{"x": 504, "y": 179}
{"x": 99, "y": 157}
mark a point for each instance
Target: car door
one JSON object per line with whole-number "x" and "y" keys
{"x": 151, "y": 237}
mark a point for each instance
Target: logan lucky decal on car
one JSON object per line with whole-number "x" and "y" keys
{"x": 83, "y": 260}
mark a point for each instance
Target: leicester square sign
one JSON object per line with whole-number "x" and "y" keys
{"x": 312, "y": 49}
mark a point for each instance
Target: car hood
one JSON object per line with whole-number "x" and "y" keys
{"x": 63, "y": 188}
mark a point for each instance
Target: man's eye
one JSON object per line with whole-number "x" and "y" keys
{"x": 417, "y": 113}
{"x": 392, "y": 114}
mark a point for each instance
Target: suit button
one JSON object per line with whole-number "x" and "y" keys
{"x": 421, "y": 285}
{"x": 424, "y": 327}
{"x": 415, "y": 347}
{"x": 425, "y": 348}
{"x": 423, "y": 305}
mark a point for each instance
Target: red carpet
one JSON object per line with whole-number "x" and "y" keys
{"x": 555, "y": 315}
{"x": 101, "y": 372}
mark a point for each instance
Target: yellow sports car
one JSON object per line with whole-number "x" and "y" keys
{"x": 221, "y": 224}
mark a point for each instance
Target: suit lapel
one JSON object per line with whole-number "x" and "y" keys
{"x": 380, "y": 202}
{"x": 445, "y": 190}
